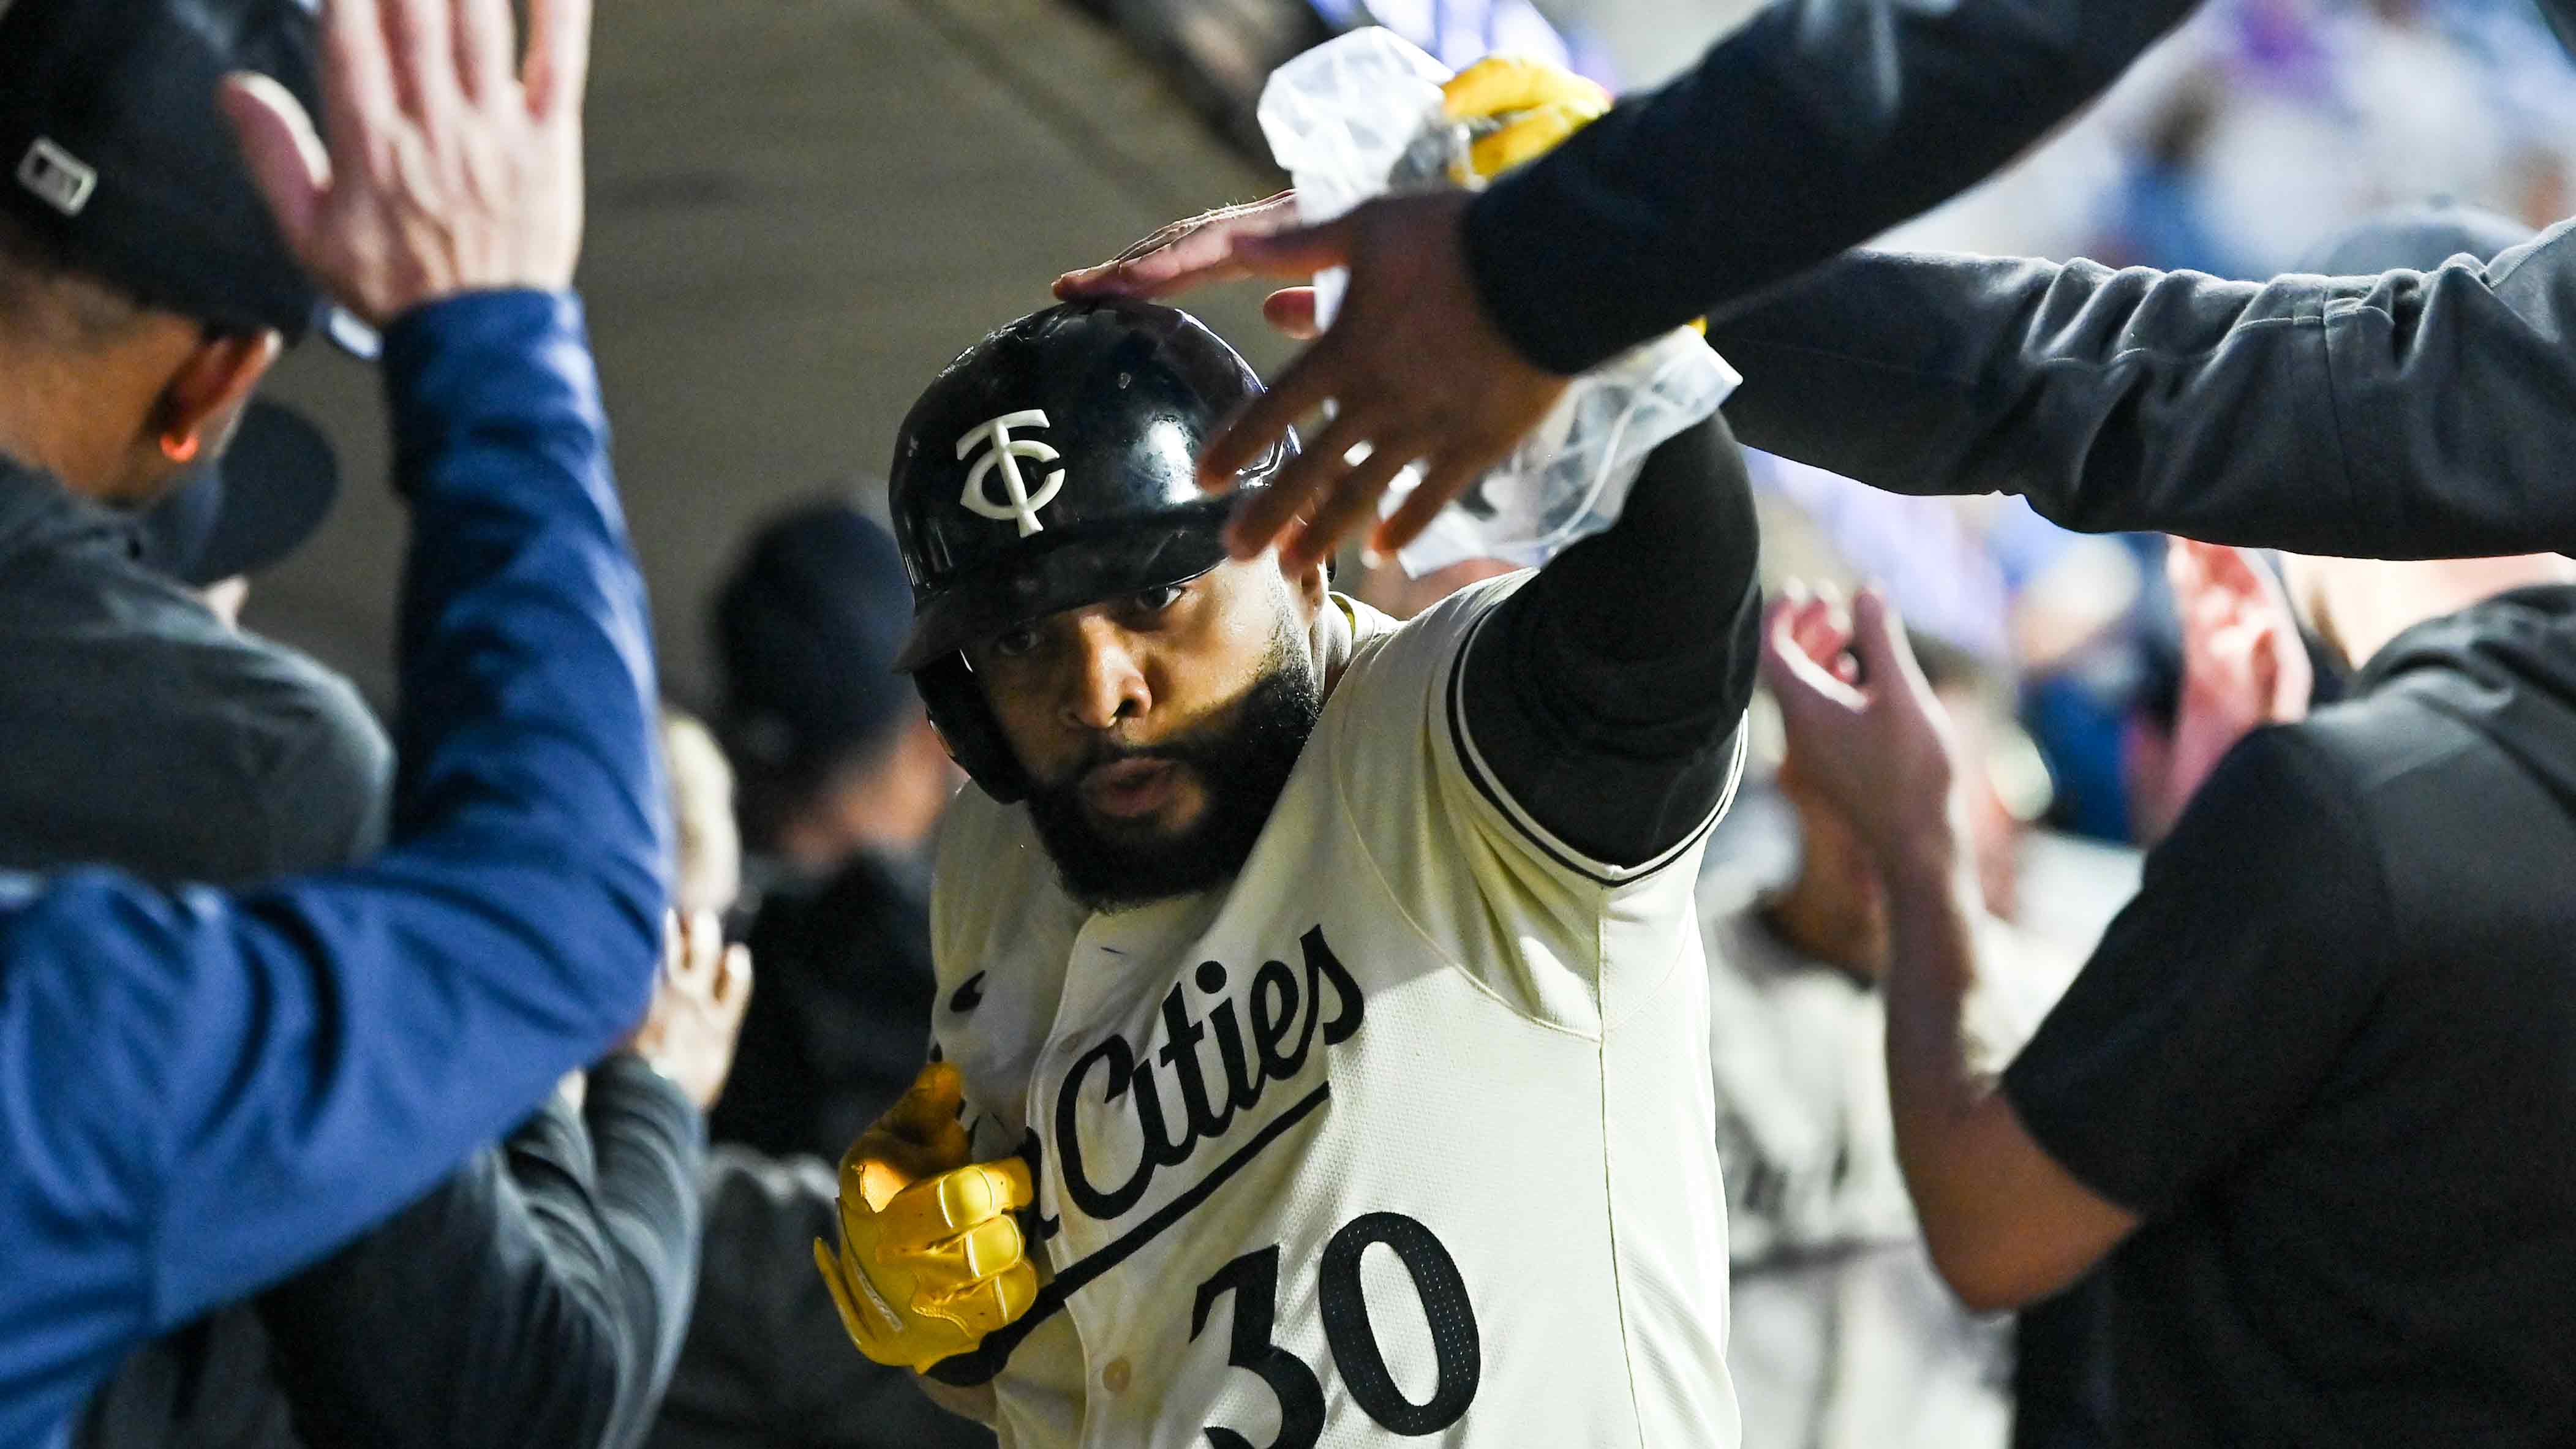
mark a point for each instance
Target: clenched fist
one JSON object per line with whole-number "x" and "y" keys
{"x": 931, "y": 1259}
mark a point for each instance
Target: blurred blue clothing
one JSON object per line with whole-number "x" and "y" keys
{"x": 201, "y": 1092}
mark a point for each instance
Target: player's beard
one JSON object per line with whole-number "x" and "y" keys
{"x": 1241, "y": 766}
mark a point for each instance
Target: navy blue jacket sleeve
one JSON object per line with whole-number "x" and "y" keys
{"x": 1814, "y": 128}
{"x": 201, "y": 1092}
{"x": 2411, "y": 415}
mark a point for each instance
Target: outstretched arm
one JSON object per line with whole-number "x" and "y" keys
{"x": 1817, "y": 126}
{"x": 2400, "y": 416}
{"x": 200, "y": 1093}
{"x": 204, "y": 1092}
{"x": 535, "y": 1300}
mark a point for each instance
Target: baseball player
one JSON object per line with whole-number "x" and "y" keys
{"x": 1324, "y": 995}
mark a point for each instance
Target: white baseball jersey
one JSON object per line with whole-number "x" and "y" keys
{"x": 1404, "y": 1134}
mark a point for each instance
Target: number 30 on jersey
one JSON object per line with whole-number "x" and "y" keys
{"x": 1253, "y": 1279}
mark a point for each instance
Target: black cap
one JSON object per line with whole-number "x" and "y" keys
{"x": 2415, "y": 239}
{"x": 1054, "y": 464}
{"x": 258, "y": 502}
{"x": 807, "y": 629}
{"x": 113, "y": 154}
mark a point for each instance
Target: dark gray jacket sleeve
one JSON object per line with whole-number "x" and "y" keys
{"x": 2416, "y": 414}
{"x": 1814, "y": 128}
{"x": 535, "y": 1300}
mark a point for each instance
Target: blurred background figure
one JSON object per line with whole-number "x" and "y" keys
{"x": 2262, "y": 127}
{"x": 706, "y": 867}
{"x": 764, "y": 1365}
{"x": 1797, "y": 938}
{"x": 842, "y": 782}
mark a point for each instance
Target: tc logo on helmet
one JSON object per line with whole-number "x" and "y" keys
{"x": 1007, "y": 451}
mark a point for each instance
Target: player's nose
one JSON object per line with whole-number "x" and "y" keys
{"x": 1108, "y": 683}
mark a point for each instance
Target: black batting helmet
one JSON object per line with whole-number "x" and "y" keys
{"x": 1051, "y": 466}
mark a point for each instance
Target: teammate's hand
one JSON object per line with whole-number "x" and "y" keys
{"x": 449, "y": 169}
{"x": 1415, "y": 368}
{"x": 1882, "y": 752}
{"x": 931, "y": 1259}
{"x": 690, "y": 1031}
{"x": 1537, "y": 104}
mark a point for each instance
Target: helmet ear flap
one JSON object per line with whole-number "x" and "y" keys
{"x": 964, "y": 719}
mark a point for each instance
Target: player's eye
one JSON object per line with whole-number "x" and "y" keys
{"x": 1155, "y": 601}
{"x": 1014, "y": 643}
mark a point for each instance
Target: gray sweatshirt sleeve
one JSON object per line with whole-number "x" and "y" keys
{"x": 2415, "y": 414}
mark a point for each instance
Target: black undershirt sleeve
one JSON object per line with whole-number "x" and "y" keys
{"x": 1605, "y": 694}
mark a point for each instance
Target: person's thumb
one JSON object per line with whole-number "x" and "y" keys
{"x": 1886, "y": 659}
{"x": 1292, "y": 311}
{"x": 286, "y": 158}
{"x": 918, "y": 1137}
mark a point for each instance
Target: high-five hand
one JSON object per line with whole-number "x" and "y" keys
{"x": 695, "y": 1022}
{"x": 449, "y": 167}
{"x": 1414, "y": 368}
{"x": 1883, "y": 753}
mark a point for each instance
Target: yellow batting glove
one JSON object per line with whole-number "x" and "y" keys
{"x": 1536, "y": 104}
{"x": 931, "y": 1259}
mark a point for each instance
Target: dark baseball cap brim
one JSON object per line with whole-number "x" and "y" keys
{"x": 257, "y": 503}
{"x": 1079, "y": 571}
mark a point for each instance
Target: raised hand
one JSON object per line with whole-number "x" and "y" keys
{"x": 1185, "y": 254}
{"x": 1415, "y": 369}
{"x": 449, "y": 166}
{"x": 1874, "y": 739}
{"x": 690, "y": 1031}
